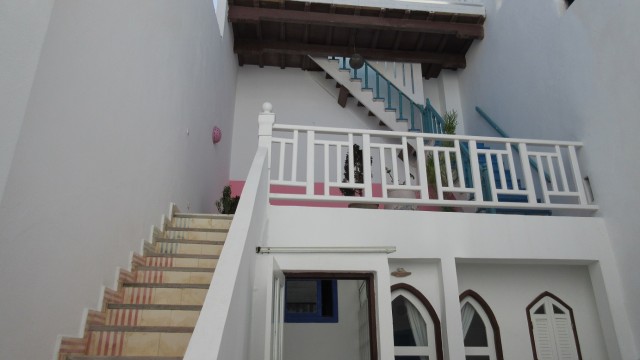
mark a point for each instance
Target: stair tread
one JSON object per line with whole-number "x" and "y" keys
{"x": 187, "y": 241}
{"x": 166, "y": 285}
{"x": 98, "y": 357}
{"x": 175, "y": 228}
{"x": 151, "y": 329}
{"x": 203, "y": 216}
{"x": 193, "y": 256}
{"x": 155, "y": 307}
{"x": 174, "y": 268}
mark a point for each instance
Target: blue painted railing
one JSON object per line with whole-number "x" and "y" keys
{"x": 394, "y": 99}
{"x": 422, "y": 118}
{"x": 502, "y": 133}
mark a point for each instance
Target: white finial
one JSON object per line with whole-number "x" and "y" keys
{"x": 267, "y": 107}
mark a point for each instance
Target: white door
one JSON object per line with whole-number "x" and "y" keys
{"x": 277, "y": 312}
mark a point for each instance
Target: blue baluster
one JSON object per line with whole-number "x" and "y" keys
{"x": 389, "y": 95}
{"x": 400, "y": 95}
{"x": 344, "y": 63}
{"x": 377, "y": 86}
{"x": 366, "y": 77}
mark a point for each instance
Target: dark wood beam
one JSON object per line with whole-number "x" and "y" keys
{"x": 239, "y": 14}
{"x": 450, "y": 61}
{"x": 343, "y": 96}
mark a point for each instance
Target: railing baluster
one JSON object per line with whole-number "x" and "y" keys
{"x": 528, "y": 175}
{"x": 577, "y": 177}
{"x": 366, "y": 76}
{"x": 294, "y": 157}
{"x": 389, "y": 95}
{"x": 366, "y": 155}
{"x": 377, "y": 85}
{"x": 383, "y": 167}
{"x": 310, "y": 162}
{"x": 563, "y": 173}
{"x": 543, "y": 184}
{"x": 352, "y": 175}
{"x": 422, "y": 170}
{"x": 327, "y": 179}
{"x": 400, "y": 104}
{"x": 552, "y": 173}
{"x": 437, "y": 171}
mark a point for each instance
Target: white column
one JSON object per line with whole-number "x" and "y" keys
{"x": 453, "y": 340}
{"x": 450, "y": 96}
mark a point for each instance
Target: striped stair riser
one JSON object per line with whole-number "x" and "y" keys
{"x": 180, "y": 262}
{"x": 164, "y": 296}
{"x": 195, "y": 235}
{"x": 194, "y": 249}
{"x": 137, "y": 317}
{"x": 201, "y": 223}
{"x": 117, "y": 343}
{"x": 172, "y": 277}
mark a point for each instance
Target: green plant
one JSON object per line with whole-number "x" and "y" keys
{"x": 358, "y": 172}
{"x": 391, "y": 177}
{"x": 449, "y": 126}
{"x": 227, "y": 203}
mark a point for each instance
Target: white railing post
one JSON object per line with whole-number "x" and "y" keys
{"x": 366, "y": 156}
{"x": 266, "y": 119}
{"x": 577, "y": 177}
{"x": 475, "y": 171}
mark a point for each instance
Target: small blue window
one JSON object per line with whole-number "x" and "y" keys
{"x": 311, "y": 301}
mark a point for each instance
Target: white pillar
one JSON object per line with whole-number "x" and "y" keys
{"x": 453, "y": 340}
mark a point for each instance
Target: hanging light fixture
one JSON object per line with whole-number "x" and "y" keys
{"x": 356, "y": 61}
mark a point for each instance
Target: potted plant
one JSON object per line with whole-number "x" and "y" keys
{"x": 449, "y": 128}
{"x": 358, "y": 178}
{"x": 227, "y": 203}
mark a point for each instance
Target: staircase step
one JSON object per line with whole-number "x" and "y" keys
{"x": 155, "y": 307}
{"x": 201, "y": 223}
{"x": 195, "y": 235}
{"x": 166, "y": 276}
{"x": 175, "y": 269}
{"x": 182, "y": 248}
{"x": 187, "y": 241}
{"x": 168, "y": 261}
{"x": 90, "y": 357}
{"x": 146, "y": 329}
{"x": 166, "y": 285}
{"x": 164, "y": 296}
{"x": 139, "y": 343}
{"x": 152, "y": 317}
{"x": 194, "y": 229}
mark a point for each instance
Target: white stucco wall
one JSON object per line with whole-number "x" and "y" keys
{"x": 23, "y": 26}
{"x": 569, "y": 74}
{"x": 521, "y": 240}
{"x": 297, "y": 99}
{"x": 317, "y": 341}
{"x": 509, "y": 289}
{"x": 103, "y": 150}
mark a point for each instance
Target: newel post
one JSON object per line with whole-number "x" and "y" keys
{"x": 266, "y": 119}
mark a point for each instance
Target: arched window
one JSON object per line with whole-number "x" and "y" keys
{"x": 416, "y": 327}
{"x": 552, "y": 329}
{"x": 480, "y": 328}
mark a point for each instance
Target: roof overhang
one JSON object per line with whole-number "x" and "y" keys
{"x": 283, "y": 32}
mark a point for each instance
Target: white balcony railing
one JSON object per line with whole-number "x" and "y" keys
{"x": 308, "y": 164}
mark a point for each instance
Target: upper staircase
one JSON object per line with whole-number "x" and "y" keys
{"x": 153, "y": 312}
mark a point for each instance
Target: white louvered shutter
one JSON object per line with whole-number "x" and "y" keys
{"x": 566, "y": 345}
{"x": 543, "y": 337}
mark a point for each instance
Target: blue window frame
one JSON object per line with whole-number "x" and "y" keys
{"x": 311, "y": 301}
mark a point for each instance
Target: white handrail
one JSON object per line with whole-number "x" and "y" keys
{"x": 500, "y": 177}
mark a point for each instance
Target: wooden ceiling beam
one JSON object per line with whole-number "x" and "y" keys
{"x": 239, "y": 14}
{"x": 450, "y": 61}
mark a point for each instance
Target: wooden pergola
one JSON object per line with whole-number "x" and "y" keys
{"x": 282, "y": 33}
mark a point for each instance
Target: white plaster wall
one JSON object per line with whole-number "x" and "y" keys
{"x": 297, "y": 98}
{"x": 23, "y": 26}
{"x": 317, "y": 341}
{"x": 509, "y": 289}
{"x": 103, "y": 149}
{"x": 425, "y": 277}
{"x": 450, "y": 236}
{"x": 572, "y": 75}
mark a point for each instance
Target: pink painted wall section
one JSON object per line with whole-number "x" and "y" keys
{"x": 238, "y": 185}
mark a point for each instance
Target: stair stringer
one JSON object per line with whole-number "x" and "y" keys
{"x": 365, "y": 97}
